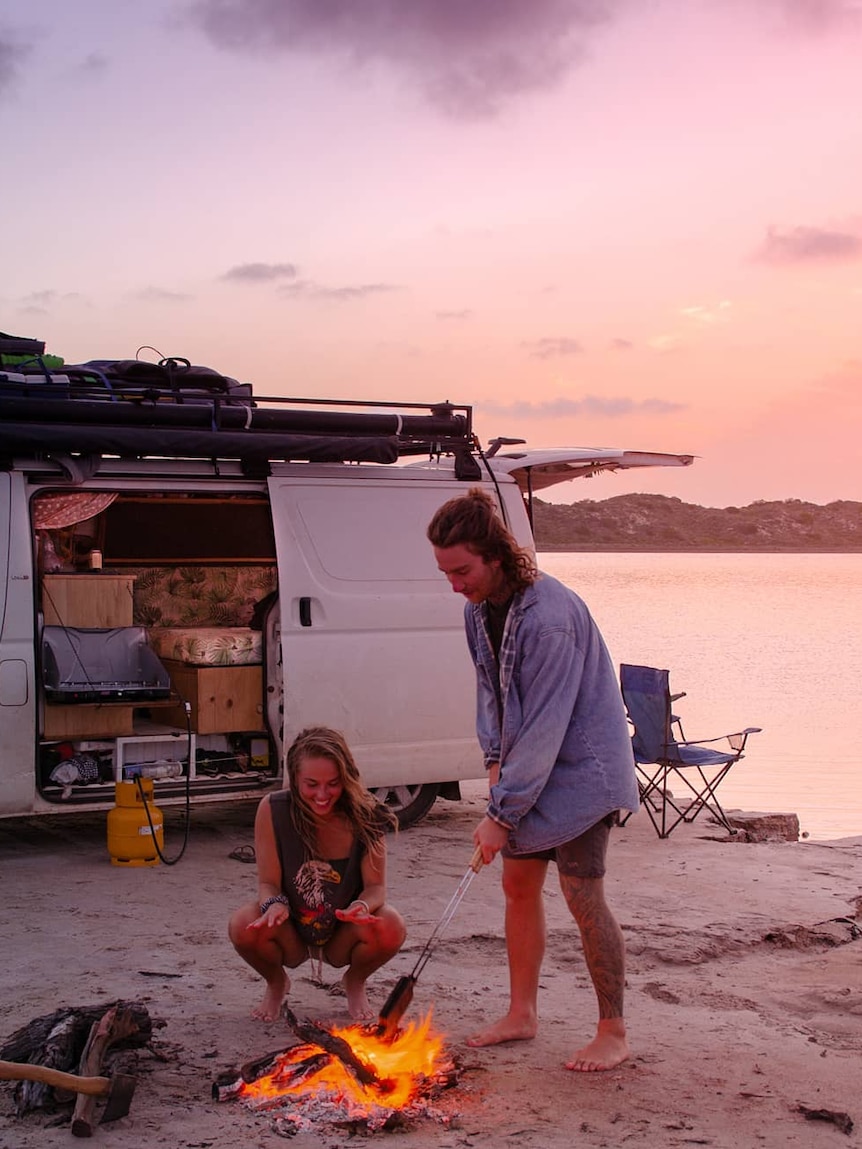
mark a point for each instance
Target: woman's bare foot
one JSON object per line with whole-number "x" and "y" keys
{"x": 508, "y": 1028}
{"x": 276, "y": 991}
{"x": 607, "y": 1050}
{"x": 358, "y": 1005}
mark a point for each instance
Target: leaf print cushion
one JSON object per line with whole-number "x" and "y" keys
{"x": 209, "y": 646}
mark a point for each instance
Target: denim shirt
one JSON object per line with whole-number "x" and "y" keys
{"x": 552, "y": 715}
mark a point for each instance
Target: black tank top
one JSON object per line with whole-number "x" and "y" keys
{"x": 315, "y": 887}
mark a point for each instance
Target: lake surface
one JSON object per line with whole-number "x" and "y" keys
{"x": 770, "y": 640}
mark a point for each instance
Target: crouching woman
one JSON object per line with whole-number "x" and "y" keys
{"x": 321, "y": 866}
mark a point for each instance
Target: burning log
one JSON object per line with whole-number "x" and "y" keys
{"x": 228, "y": 1086}
{"x": 337, "y": 1047}
{"x": 259, "y": 1066}
{"x": 269, "y": 1063}
{"x": 285, "y": 1074}
{"x": 318, "y": 1081}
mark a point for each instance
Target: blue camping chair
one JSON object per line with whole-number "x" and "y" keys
{"x": 662, "y": 753}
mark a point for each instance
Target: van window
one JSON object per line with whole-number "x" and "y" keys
{"x": 174, "y": 529}
{"x": 360, "y": 539}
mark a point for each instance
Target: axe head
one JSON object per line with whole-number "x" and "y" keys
{"x": 119, "y": 1098}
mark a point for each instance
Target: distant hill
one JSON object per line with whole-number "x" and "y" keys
{"x": 659, "y": 523}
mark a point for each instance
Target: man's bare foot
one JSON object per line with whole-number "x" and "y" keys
{"x": 358, "y": 1005}
{"x": 607, "y": 1050}
{"x": 508, "y": 1028}
{"x": 276, "y": 991}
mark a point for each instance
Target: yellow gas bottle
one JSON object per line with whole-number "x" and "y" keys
{"x": 130, "y": 840}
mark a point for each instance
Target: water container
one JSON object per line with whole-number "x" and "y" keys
{"x": 168, "y": 768}
{"x": 130, "y": 839}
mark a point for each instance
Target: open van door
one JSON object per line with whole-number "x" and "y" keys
{"x": 534, "y": 470}
{"x": 372, "y": 638}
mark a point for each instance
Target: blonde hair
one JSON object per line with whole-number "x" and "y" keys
{"x": 368, "y": 817}
{"x": 472, "y": 521}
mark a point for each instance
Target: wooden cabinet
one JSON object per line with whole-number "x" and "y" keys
{"x": 107, "y": 720}
{"x": 87, "y": 600}
{"x": 224, "y": 699}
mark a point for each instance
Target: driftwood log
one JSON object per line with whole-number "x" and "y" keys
{"x": 58, "y": 1040}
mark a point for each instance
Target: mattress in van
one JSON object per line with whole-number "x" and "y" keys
{"x": 209, "y": 646}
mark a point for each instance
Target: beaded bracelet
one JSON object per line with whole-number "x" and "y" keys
{"x": 275, "y": 900}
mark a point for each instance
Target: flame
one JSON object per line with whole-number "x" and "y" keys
{"x": 404, "y": 1063}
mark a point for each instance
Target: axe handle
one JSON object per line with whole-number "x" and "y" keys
{"x": 22, "y": 1071}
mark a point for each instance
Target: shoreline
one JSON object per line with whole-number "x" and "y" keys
{"x": 617, "y": 549}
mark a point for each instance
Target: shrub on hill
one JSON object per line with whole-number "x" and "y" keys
{"x": 659, "y": 522}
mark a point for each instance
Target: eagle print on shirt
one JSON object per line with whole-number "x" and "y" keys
{"x": 317, "y": 914}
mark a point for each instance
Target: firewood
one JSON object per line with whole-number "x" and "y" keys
{"x": 286, "y": 1074}
{"x": 339, "y": 1049}
{"x": 227, "y": 1085}
{"x": 28, "y": 1041}
{"x": 57, "y": 1040}
{"x": 261, "y": 1066}
{"x": 114, "y": 1026}
{"x": 292, "y": 1074}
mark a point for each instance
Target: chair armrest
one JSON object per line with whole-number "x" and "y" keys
{"x": 737, "y": 740}
{"x": 674, "y": 697}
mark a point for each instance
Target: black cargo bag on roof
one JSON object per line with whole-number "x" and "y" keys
{"x": 172, "y": 378}
{"x": 16, "y": 345}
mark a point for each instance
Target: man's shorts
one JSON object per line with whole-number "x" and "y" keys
{"x": 582, "y": 857}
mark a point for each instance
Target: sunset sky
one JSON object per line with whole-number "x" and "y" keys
{"x": 632, "y": 223}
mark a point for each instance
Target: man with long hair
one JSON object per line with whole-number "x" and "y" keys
{"x": 552, "y": 726}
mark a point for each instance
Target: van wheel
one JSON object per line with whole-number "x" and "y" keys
{"x": 409, "y": 803}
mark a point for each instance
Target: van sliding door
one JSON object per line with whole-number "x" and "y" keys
{"x": 372, "y": 636}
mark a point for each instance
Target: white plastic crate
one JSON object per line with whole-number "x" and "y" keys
{"x": 140, "y": 748}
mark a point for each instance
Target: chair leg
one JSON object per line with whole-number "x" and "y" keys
{"x": 657, "y": 799}
{"x": 706, "y": 797}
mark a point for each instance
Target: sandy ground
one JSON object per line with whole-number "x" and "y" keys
{"x": 739, "y": 1009}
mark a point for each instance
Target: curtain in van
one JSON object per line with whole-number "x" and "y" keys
{"x": 51, "y": 512}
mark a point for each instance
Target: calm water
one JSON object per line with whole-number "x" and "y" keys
{"x": 754, "y": 640}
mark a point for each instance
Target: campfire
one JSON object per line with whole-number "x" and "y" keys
{"x": 349, "y": 1074}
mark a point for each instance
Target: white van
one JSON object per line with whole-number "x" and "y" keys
{"x": 190, "y": 575}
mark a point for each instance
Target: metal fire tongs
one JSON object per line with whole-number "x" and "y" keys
{"x": 401, "y": 996}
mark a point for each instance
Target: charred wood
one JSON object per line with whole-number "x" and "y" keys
{"x": 260, "y": 1066}
{"x": 285, "y": 1074}
{"x": 339, "y": 1049}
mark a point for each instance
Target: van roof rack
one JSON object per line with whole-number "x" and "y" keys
{"x": 136, "y": 409}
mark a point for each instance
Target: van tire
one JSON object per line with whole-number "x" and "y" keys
{"x": 410, "y": 804}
